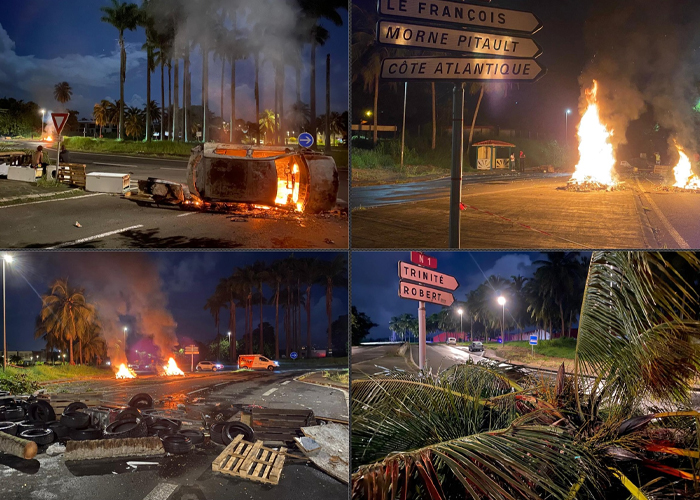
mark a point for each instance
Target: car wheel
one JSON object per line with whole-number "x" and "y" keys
{"x": 141, "y": 400}
{"x": 213, "y": 369}
{"x": 41, "y": 411}
{"x": 197, "y": 369}
{"x": 8, "y": 428}
{"x": 85, "y": 434}
{"x": 232, "y": 429}
{"x": 75, "y": 420}
{"x": 270, "y": 368}
{"x": 39, "y": 436}
{"x": 197, "y": 437}
{"x": 78, "y": 405}
{"x": 177, "y": 444}
{"x": 26, "y": 425}
{"x": 215, "y": 433}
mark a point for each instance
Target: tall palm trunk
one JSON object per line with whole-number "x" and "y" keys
{"x": 283, "y": 135}
{"x": 149, "y": 55}
{"x": 257, "y": 96}
{"x": 432, "y": 88}
{"x": 476, "y": 112}
{"x": 245, "y": 335}
{"x": 298, "y": 81}
{"x": 298, "y": 313}
{"x": 233, "y": 99}
{"x": 327, "y": 140}
{"x": 187, "y": 94}
{"x": 232, "y": 328}
{"x": 122, "y": 79}
{"x": 312, "y": 91}
{"x": 329, "y": 312}
{"x": 561, "y": 315}
{"x": 308, "y": 321}
{"x": 277, "y": 322}
{"x": 223, "y": 72}
{"x": 262, "y": 349}
{"x": 162, "y": 98}
{"x": 176, "y": 103}
{"x": 277, "y": 103}
{"x": 289, "y": 306}
{"x": 376, "y": 106}
{"x": 250, "y": 323}
{"x": 170, "y": 98}
{"x": 205, "y": 91}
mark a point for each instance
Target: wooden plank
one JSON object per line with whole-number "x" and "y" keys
{"x": 334, "y": 456}
{"x": 276, "y": 471}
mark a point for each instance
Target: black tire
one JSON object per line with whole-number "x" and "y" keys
{"x": 8, "y": 428}
{"x": 197, "y": 437}
{"x": 141, "y": 400}
{"x": 15, "y": 414}
{"x": 39, "y": 436}
{"x": 41, "y": 411}
{"x": 25, "y": 425}
{"x": 163, "y": 426}
{"x": 177, "y": 444}
{"x": 76, "y": 420}
{"x": 129, "y": 413}
{"x": 126, "y": 428}
{"x": 60, "y": 430}
{"x": 213, "y": 369}
{"x": 232, "y": 429}
{"x": 73, "y": 407}
{"x": 85, "y": 434}
{"x": 215, "y": 433}
{"x": 270, "y": 368}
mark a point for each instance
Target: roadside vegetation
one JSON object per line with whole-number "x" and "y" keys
{"x": 628, "y": 433}
{"x": 23, "y": 380}
{"x": 562, "y": 348}
{"x": 156, "y": 148}
{"x": 340, "y": 376}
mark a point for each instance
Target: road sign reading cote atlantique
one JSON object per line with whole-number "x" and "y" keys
{"x": 446, "y": 39}
{"x": 445, "y": 11}
{"x": 425, "y": 294}
{"x": 427, "y": 276}
{"x": 461, "y": 69}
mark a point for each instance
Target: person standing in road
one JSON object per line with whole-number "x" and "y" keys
{"x": 512, "y": 162}
{"x": 38, "y": 160}
{"x": 522, "y": 162}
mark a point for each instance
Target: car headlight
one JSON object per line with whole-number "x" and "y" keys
{"x": 276, "y": 363}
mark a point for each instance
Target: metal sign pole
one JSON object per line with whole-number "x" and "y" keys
{"x": 421, "y": 335}
{"x": 403, "y": 129}
{"x": 457, "y": 161}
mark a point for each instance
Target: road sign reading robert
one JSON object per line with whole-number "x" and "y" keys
{"x": 427, "y": 276}
{"x": 461, "y": 13}
{"x": 455, "y": 40}
{"x": 425, "y": 294}
{"x": 461, "y": 69}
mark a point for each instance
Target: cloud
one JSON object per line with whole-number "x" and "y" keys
{"x": 512, "y": 264}
{"x": 183, "y": 273}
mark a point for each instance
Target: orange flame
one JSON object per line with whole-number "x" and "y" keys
{"x": 125, "y": 372}
{"x": 48, "y": 138}
{"x": 683, "y": 172}
{"x": 171, "y": 369}
{"x": 597, "y": 158}
{"x": 289, "y": 188}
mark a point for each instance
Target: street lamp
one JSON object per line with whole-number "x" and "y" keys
{"x": 43, "y": 112}
{"x": 566, "y": 139}
{"x": 6, "y": 259}
{"x": 502, "y": 303}
{"x": 460, "y": 322}
{"x": 125, "y": 329}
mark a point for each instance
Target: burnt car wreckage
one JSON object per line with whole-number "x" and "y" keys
{"x": 226, "y": 176}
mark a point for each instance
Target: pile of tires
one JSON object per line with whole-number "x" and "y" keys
{"x": 11, "y": 410}
{"x": 224, "y": 433}
{"x": 77, "y": 423}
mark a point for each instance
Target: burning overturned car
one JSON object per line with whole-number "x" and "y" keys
{"x": 226, "y": 175}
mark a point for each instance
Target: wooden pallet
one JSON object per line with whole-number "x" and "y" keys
{"x": 72, "y": 173}
{"x": 250, "y": 461}
{"x": 59, "y": 402}
{"x": 283, "y": 425}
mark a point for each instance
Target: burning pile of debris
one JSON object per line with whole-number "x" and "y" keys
{"x": 588, "y": 186}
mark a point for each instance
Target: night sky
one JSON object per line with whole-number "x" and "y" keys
{"x": 43, "y": 42}
{"x": 651, "y": 46}
{"x": 186, "y": 280}
{"x": 375, "y": 280}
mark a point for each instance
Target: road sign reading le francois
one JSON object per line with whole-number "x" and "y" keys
{"x": 461, "y": 69}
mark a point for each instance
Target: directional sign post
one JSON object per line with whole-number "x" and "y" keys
{"x": 451, "y": 12}
{"x": 427, "y": 276}
{"x": 306, "y": 140}
{"x": 420, "y": 259}
{"x": 455, "y": 40}
{"x": 425, "y": 294}
{"x": 293, "y": 355}
{"x": 191, "y": 350}
{"x": 59, "y": 121}
{"x": 533, "y": 343}
{"x": 461, "y": 69}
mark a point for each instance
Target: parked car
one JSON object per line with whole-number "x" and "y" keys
{"x": 451, "y": 341}
{"x": 476, "y": 347}
{"x": 204, "y": 366}
{"x": 256, "y": 362}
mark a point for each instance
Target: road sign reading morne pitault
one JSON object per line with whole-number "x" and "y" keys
{"x": 460, "y": 69}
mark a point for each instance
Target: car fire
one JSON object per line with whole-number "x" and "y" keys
{"x": 124, "y": 372}
{"x": 683, "y": 172}
{"x": 171, "y": 369}
{"x": 597, "y": 158}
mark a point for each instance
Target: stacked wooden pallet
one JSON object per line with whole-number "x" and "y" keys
{"x": 59, "y": 402}
{"x": 72, "y": 173}
{"x": 250, "y": 461}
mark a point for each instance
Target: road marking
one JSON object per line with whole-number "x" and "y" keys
{"x": 92, "y": 238}
{"x": 198, "y": 390}
{"x": 168, "y": 168}
{"x": 161, "y": 492}
{"x": 222, "y": 383}
{"x": 270, "y": 392}
{"x": 285, "y": 383}
{"x": 188, "y": 213}
{"x": 116, "y": 165}
{"x": 58, "y": 199}
{"x": 671, "y": 230}
{"x": 154, "y": 158}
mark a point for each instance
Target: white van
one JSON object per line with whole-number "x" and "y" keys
{"x": 256, "y": 362}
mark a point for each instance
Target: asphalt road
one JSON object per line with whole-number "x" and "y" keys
{"x": 186, "y": 477}
{"x": 111, "y": 221}
{"x": 530, "y": 211}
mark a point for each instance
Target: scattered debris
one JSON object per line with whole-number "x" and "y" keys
{"x": 77, "y": 224}
{"x": 329, "y": 241}
{"x": 585, "y": 187}
{"x": 55, "y": 449}
{"x": 13, "y": 445}
{"x": 333, "y": 455}
{"x": 675, "y": 189}
{"x": 250, "y": 461}
{"x": 114, "y": 448}
{"x": 307, "y": 445}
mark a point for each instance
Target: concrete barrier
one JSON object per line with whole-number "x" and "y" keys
{"x": 23, "y": 174}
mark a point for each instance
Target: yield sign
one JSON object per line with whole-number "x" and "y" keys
{"x": 59, "y": 121}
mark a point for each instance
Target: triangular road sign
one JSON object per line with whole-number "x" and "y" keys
{"x": 59, "y": 121}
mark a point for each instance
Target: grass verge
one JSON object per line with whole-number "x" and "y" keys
{"x": 154, "y": 148}
{"x": 55, "y": 196}
{"x": 24, "y": 380}
{"x": 339, "y": 376}
{"x": 314, "y": 363}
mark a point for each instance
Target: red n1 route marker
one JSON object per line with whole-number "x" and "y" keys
{"x": 425, "y": 294}
{"x": 421, "y": 259}
{"x": 422, "y": 275}
{"x": 59, "y": 121}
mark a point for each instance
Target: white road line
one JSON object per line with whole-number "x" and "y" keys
{"x": 49, "y": 201}
{"x": 222, "y": 383}
{"x": 188, "y": 213}
{"x": 285, "y": 383}
{"x": 161, "y": 492}
{"x": 269, "y": 392}
{"x": 168, "y": 168}
{"x": 96, "y": 237}
{"x": 671, "y": 230}
{"x": 131, "y": 156}
{"x": 198, "y": 390}
{"x": 116, "y": 165}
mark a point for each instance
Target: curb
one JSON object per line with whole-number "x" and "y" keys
{"x": 38, "y": 196}
{"x": 346, "y": 393}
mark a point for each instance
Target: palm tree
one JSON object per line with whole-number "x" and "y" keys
{"x": 94, "y": 346}
{"x": 66, "y": 313}
{"x": 147, "y": 21}
{"x": 299, "y": 116}
{"x": 99, "y": 113}
{"x": 310, "y": 273}
{"x": 62, "y": 92}
{"x": 267, "y": 122}
{"x": 134, "y": 121}
{"x": 261, "y": 272}
{"x": 558, "y": 277}
{"x": 123, "y": 16}
{"x": 334, "y": 273}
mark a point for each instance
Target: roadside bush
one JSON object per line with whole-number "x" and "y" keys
{"x": 17, "y": 382}
{"x": 133, "y": 147}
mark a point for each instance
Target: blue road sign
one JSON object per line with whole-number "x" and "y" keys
{"x": 306, "y": 140}
{"x": 533, "y": 339}
{"x": 293, "y": 355}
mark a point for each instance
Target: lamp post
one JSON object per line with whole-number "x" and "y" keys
{"x": 502, "y": 302}
{"x": 43, "y": 113}
{"x": 125, "y": 329}
{"x": 566, "y": 139}
{"x": 460, "y": 323}
{"x": 6, "y": 259}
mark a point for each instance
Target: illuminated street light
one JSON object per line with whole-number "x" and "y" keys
{"x": 6, "y": 259}
{"x": 566, "y": 131}
{"x": 502, "y": 303}
{"x": 460, "y": 322}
